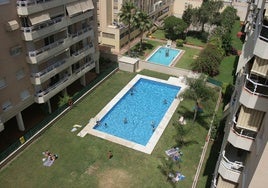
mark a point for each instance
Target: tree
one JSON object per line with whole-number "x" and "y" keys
{"x": 126, "y": 15}
{"x": 228, "y": 17}
{"x": 209, "y": 60}
{"x": 143, "y": 22}
{"x": 187, "y": 16}
{"x": 207, "y": 13}
{"x": 65, "y": 99}
{"x": 174, "y": 27}
{"x": 198, "y": 91}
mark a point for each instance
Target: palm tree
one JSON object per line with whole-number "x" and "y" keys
{"x": 126, "y": 15}
{"x": 198, "y": 91}
{"x": 143, "y": 22}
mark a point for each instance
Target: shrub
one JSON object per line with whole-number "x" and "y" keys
{"x": 179, "y": 42}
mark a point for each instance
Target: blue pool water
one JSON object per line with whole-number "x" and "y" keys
{"x": 164, "y": 56}
{"x": 139, "y": 111}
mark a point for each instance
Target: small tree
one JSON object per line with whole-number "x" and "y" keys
{"x": 208, "y": 61}
{"x": 65, "y": 99}
{"x": 174, "y": 27}
{"x": 143, "y": 22}
{"x": 198, "y": 91}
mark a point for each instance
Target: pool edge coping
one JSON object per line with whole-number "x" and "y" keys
{"x": 89, "y": 128}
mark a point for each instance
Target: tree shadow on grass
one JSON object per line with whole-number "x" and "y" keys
{"x": 136, "y": 52}
{"x": 166, "y": 167}
{"x": 199, "y": 35}
{"x": 200, "y": 119}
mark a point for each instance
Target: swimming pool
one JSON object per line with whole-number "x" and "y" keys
{"x": 164, "y": 56}
{"x": 137, "y": 116}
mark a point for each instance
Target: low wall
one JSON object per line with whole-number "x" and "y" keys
{"x": 165, "y": 69}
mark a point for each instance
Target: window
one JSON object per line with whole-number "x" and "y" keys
{"x": 108, "y": 35}
{"x": 24, "y": 95}
{"x": 16, "y": 50}
{"x": 20, "y": 74}
{"x": 2, "y": 2}
{"x": 2, "y": 83}
{"x": 6, "y": 105}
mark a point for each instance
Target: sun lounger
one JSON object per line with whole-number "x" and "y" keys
{"x": 171, "y": 152}
{"x": 48, "y": 162}
{"x": 178, "y": 177}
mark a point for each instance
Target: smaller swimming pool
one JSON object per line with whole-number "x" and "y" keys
{"x": 164, "y": 56}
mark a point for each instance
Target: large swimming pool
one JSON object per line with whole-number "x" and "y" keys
{"x": 137, "y": 116}
{"x": 164, "y": 56}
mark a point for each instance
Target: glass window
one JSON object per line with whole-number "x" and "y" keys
{"x": 2, "y": 2}
{"x": 24, "y": 94}
{"x": 6, "y": 105}
{"x": 16, "y": 50}
{"x": 20, "y": 74}
{"x": 2, "y": 83}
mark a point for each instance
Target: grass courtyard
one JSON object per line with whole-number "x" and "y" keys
{"x": 83, "y": 162}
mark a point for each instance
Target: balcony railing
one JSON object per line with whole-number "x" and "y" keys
{"x": 264, "y": 33}
{"x": 78, "y": 52}
{"x": 256, "y": 88}
{"x": 49, "y": 89}
{"x": 80, "y": 32}
{"x": 243, "y": 132}
{"x": 83, "y": 67}
{"x": 24, "y": 3}
{"x": 41, "y": 26}
{"x": 48, "y": 69}
{"x": 45, "y": 48}
{"x": 235, "y": 166}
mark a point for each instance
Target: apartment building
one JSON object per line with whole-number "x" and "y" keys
{"x": 243, "y": 157}
{"x": 46, "y": 46}
{"x": 113, "y": 35}
{"x": 181, "y": 5}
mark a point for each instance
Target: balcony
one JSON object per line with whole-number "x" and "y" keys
{"x": 45, "y": 52}
{"x": 45, "y": 95}
{"x": 255, "y": 93}
{"x": 39, "y": 77}
{"x": 241, "y": 137}
{"x": 255, "y": 87}
{"x": 52, "y": 49}
{"x": 79, "y": 17}
{"x": 44, "y": 75}
{"x": 232, "y": 163}
{"x": 39, "y": 31}
{"x": 86, "y": 32}
{"x": 261, "y": 47}
{"x": 83, "y": 52}
{"x": 26, "y": 7}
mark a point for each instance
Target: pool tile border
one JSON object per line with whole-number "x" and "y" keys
{"x": 89, "y": 129}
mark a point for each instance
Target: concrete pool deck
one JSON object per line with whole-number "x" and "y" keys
{"x": 89, "y": 128}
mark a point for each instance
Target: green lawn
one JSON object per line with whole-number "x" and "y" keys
{"x": 83, "y": 161}
{"x": 159, "y": 34}
{"x": 227, "y": 70}
{"x": 148, "y": 46}
{"x": 195, "y": 41}
{"x": 236, "y": 42}
{"x": 187, "y": 58}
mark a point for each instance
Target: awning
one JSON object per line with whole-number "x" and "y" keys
{"x": 73, "y": 8}
{"x": 225, "y": 184}
{"x": 249, "y": 119}
{"x": 86, "y": 5}
{"x": 56, "y": 11}
{"x": 12, "y": 25}
{"x": 260, "y": 67}
{"x": 39, "y": 18}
